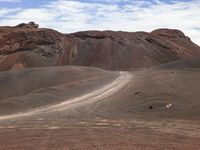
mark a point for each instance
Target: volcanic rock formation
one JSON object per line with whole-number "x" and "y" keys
{"x": 29, "y": 25}
{"x": 30, "y": 46}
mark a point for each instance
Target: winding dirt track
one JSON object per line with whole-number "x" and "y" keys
{"x": 99, "y": 94}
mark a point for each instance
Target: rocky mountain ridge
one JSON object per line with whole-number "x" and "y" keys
{"x": 26, "y": 45}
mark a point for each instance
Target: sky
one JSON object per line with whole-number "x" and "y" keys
{"x": 119, "y": 15}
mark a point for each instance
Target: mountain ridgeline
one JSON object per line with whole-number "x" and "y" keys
{"x": 26, "y": 45}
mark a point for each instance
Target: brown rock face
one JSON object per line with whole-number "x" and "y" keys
{"x": 123, "y": 50}
{"x": 30, "y": 46}
{"x": 29, "y": 25}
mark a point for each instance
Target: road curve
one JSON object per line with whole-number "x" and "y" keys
{"x": 109, "y": 89}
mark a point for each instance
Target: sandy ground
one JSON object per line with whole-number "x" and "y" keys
{"x": 98, "y": 134}
{"x": 113, "y": 114}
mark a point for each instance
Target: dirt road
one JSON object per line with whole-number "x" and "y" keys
{"x": 91, "y": 97}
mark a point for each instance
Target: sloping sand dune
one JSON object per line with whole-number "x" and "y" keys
{"x": 98, "y": 109}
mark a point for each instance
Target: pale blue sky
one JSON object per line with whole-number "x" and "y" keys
{"x": 127, "y": 15}
{"x": 38, "y": 3}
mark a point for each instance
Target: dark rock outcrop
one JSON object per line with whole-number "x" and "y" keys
{"x": 30, "y": 46}
{"x": 29, "y": 25}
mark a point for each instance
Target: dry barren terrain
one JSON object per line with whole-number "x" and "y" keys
{"x": 53, "y": 94}
{"x": 115, "y": 110}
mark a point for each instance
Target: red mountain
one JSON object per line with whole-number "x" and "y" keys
{"x": 26, "y": 45}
